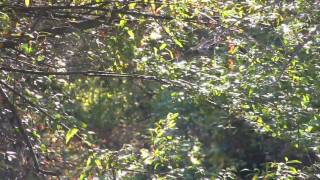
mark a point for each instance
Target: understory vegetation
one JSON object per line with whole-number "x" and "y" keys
{"x": 171, "y": 89}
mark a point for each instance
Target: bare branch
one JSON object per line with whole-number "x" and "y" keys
{"x": 15, "y": 117}
{"x": 40, "y": 109}
{"x": 100, "y": 74}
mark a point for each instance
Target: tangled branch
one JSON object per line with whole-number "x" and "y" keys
{"x": 15, "y": 118}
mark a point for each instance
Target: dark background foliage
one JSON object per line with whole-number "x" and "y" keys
{"x": 159, "y": 89}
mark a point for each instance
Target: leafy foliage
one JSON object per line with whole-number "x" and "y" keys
{"x": 160, "y": 89}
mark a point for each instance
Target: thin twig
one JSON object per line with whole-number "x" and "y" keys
{"x": 297, "y": 50}
{"x": 100, "y": 74}
{"x": 15, "y": 117}
{"x": 34, "y": 9}
{"x": 40, "y": 109}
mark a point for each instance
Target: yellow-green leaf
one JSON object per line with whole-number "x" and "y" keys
{"x": 131, "y": 34}
{"x": 98, "y": 163}
{"x": 70, "y": 134}
{"x": 122, "y": 23}
{"x": 294, "y": 162}
{"x": 89, "y": 160}
{"x": 178, "y": 43}
{"x": 163, "y": 45}
{"x": 27, "y": 3}
{"x": 132, "y": 5}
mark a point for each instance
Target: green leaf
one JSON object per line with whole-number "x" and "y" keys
{"x": 40, "y": 58}
{"x": 163, "y": 45}
{"x": 27, "y": 3}
{"x": 70, "y": 134}
{"x": 293, "y": 162}
{"x": 122, "y": 23}
{"x": 35, "y": 134}
{"x": 178, "y": 43}
{"x": 132, "y": 5}
{"x": 26, "y": 48}
{"x": 82, "y": 176}
{"x": 293, "y": 170}
{"x": 89, "y": 160}
{"x": 98, "y": 163}
{"x": 131, "y": 34}
{"x": 153, "y": 6}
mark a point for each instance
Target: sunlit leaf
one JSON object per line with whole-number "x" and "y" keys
{"x": 98, "y": 163}
{"x": 178, "y": 43}
{"x": 162, "y": 46}
{"x": 70, "y": 134}
{"x": 122, "y": 23}
{"x": 27, "y": 3}
{"x": 131, "y": 34}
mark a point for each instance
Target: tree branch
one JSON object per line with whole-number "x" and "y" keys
{"x": 34, "y": 9}
{"x": 15, "y": 117}
{"x": 184, "y": 84}
{"x": 40, "y": 109}
{"x": 75, "y": 26}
